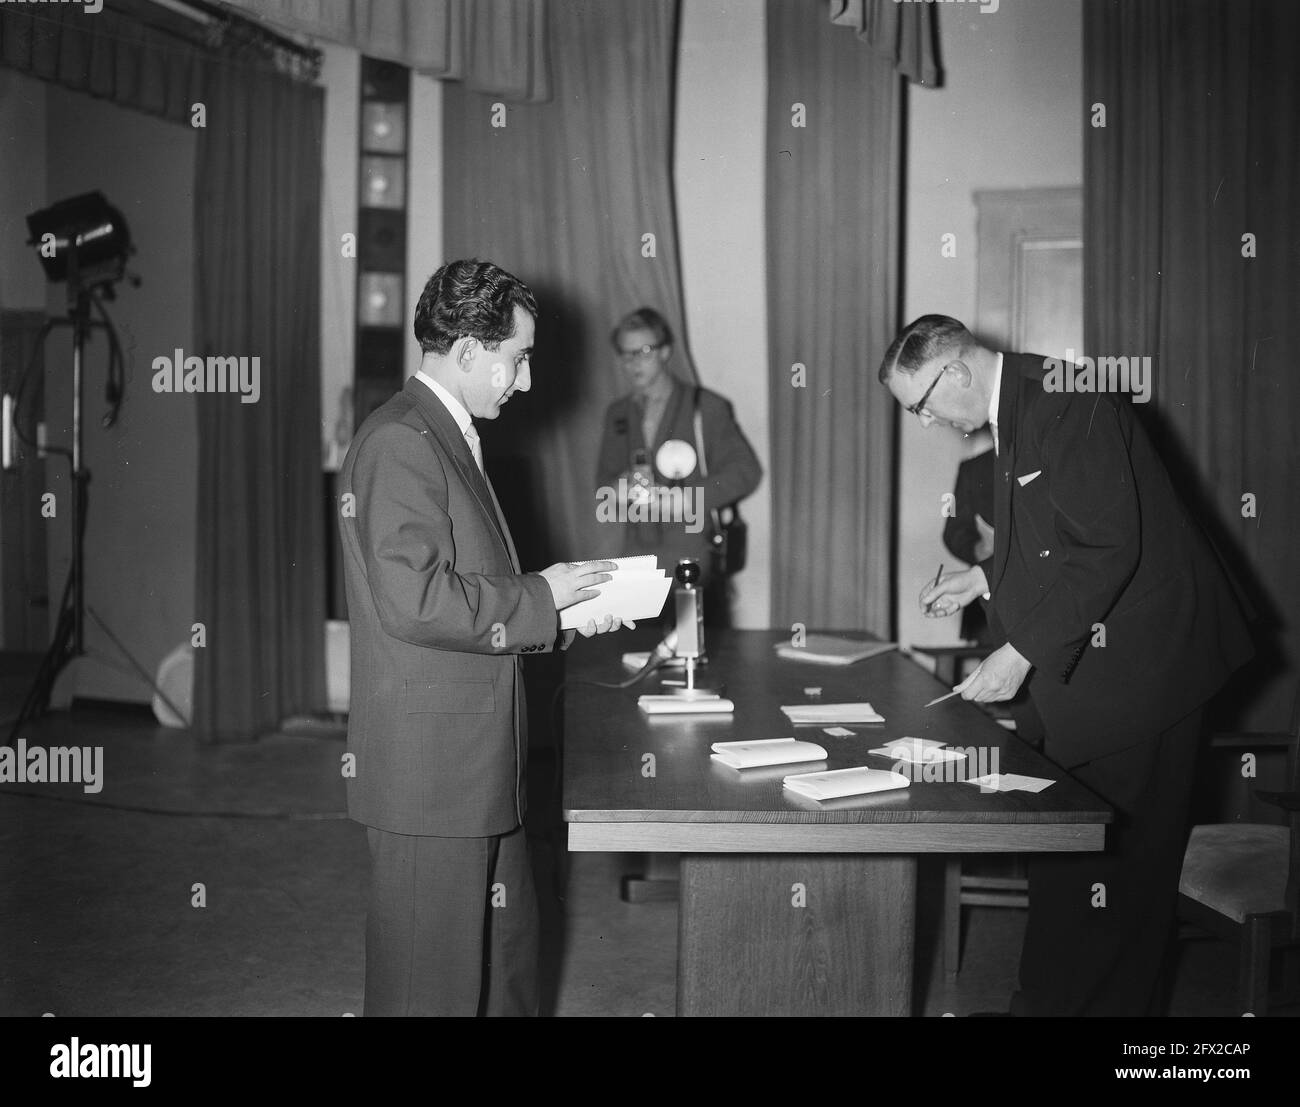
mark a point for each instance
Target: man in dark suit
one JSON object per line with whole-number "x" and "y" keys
{"x": 1118, "y": 613}
{"x": 652, "y": 429}
{"x": 440, "y": 614}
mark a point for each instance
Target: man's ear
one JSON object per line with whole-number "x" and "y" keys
{"x": 961, "y": 372}
{"x": 463, "y": 351}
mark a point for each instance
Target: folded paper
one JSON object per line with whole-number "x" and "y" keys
{"x": 827, "y": 649}
{"x": 824, "y": 714}
{"x": 844, "y": 782}
{"x": 766, "y": 751}
{"x": 637, "y": 590}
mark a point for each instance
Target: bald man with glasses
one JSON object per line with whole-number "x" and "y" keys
{"x": 1120, "y": 618}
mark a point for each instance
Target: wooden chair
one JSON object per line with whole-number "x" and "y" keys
{"x": 961, "y": 888}
{"x": 1241, "y": 881}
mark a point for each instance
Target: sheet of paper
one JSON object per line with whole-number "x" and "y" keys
{"x": 919, "y": 751}
{"x": 1010, "y": 782}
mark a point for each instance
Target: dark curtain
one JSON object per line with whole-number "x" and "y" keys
{"x": 562, "y": 196}
{"x": 1199, "y": 149}
{"x": 832, "y": 238}
{"x": 494, "y": 46}
{"x": 260, "y": 587}
{"x": 108, "y": 54}
{"x": 260, "y": 590}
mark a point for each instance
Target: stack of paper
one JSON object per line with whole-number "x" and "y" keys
{"x": 919, "y": 751}
{"x": 637, "y": 591}
{"x": 685, "y": 704}
{"x": 826, "y": 649}
{"x": 844, "y": 782}
{"x": 823, "y": 714}
{"x": 766, "y": 751}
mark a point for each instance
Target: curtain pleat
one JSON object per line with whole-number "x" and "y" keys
{"x": 563, "y": 196}
{"x": 902, "y": 33}
{"x": 260, "y": 589}
{"x": 832, "y": 237}
{"x": 1198, "y": 150}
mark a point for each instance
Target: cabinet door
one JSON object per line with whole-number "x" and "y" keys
{"x": 1030, "y": 270}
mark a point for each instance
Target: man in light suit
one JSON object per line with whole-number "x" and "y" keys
{"x": 440, "y": 614}
{"x": 1118, "y": 613}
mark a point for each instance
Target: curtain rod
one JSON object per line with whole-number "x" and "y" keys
{"x": 219, "y": 20}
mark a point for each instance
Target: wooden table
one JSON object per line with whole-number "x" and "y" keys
{"x": 789, "y": 906}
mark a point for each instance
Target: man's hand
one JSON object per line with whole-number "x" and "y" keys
{"x": 984, "y": 545}
{"x": 953, "y": 592}
{"x": 608, "y": 624}
{"x": 998, "y": 677}
{"x": 572, "y": 583}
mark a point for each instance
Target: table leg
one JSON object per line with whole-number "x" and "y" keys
{"x": 796, "y": 934}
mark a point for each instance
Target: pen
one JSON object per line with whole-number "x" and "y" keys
{"x": 936, "y": 581}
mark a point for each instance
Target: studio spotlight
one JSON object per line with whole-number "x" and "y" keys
{"x": 83, "y": 240}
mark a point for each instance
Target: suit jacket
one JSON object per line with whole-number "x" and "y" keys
{"x": 734, "y": 469}
{"x": 440, "y": 614}
{"x": 1089, "y": 530}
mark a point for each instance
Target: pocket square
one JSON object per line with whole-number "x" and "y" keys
{"x": 1028, "y": 477}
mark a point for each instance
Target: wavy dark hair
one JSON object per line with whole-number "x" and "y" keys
{"x": 469, "y": 299}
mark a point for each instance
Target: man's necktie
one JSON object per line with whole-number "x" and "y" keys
{"x": 475, "y": 447}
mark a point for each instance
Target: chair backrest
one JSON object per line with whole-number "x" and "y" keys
{"x": 1289, "y": 802}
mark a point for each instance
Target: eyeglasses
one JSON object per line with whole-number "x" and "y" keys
{"x": 643, "y": 354}
{"x": 919, "y": 406}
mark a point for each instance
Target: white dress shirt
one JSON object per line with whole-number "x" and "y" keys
{"x": 993, "y": 403}
{"x": 463, "y": 418}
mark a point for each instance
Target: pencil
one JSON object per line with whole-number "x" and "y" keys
{"x": 936, "y": 581}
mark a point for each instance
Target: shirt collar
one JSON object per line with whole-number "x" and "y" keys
{"x": 660, "y": 390}
{"x": 995, "y": 399}
{"x": 453, "y": 405}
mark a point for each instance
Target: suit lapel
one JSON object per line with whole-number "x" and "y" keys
{"x": 453, "y": 442}
{"x": 1004, "y": 465}
{"x": 505, "y": 530}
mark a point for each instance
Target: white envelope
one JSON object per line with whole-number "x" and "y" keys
{"x": 844, "y": 782}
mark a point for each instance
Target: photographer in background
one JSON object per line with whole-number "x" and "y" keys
{"x": 675, "y": 460}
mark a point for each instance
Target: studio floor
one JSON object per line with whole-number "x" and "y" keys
{"x": 97, "y": 893}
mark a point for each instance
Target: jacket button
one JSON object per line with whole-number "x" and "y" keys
{"x": 1044, "y": 553}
